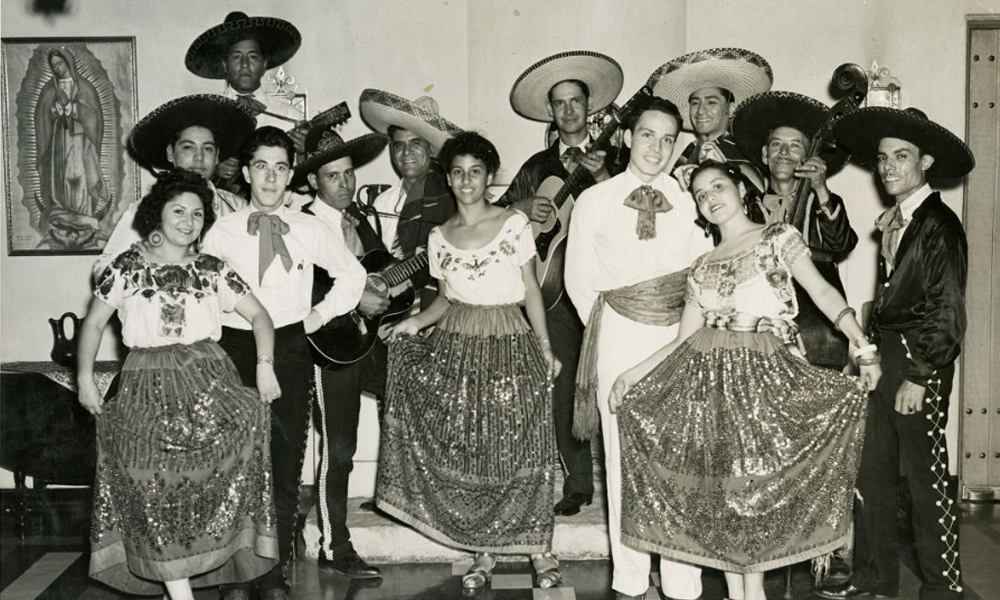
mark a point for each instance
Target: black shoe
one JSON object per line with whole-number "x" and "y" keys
{"x": 571, "y": 503}
{"x": 368, "y": 505}
{"x": 352, "y": 566}
{"x": 844, "y": 590}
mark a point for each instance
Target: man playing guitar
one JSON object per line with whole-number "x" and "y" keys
{"x": 564, "y": 89}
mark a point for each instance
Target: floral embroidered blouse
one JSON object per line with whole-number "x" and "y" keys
{"x": 161, "y": 305}
{"x": 756, "y": 282}
{"x": 488, "y": 275}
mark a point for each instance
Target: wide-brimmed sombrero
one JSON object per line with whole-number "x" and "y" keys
{"x": 742, "y": 72}
{"x": 231, "y": 122}
{"x": 861, "y": 132}
{"x": 326, "y": 145}
{"x": 421, "y": 116}
{"x": 279, "y": 40}
{"x": 530, "y": 94}
{"x": 758, "y": 115}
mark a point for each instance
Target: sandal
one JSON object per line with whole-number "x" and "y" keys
{"x": 547, "y": 572}
{"x": 481, "y": 571}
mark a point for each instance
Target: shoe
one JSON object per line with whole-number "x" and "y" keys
{"x": 352, "y": 566}
{"x": 844, "y": 590}
{"x": 571, "y": 503}
{"x": 481, "y": 571}
{"x": 274, "y": 594}
{"x": 547, "y": 572}
{"x": 368, "y": 505}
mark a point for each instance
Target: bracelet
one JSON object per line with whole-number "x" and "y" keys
{"x": 265, "y": 359}
{"x": 841, "y": 315}
{"x": 870, "y": 348}
{"x": 872, "y": 360}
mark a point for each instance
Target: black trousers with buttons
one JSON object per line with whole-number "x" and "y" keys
{"x": 914, "y": 446}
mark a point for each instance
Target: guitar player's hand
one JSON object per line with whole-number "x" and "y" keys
{"x": 298, "y": 135}
{"x": 228, "y": 168}
{"x": 593, "y": 161}
{"x": 372, "y": 303}
{"x": 312, "y": 322}
{"x": 537, "y": 208}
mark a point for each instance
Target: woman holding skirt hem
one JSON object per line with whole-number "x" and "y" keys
{"x": 738, "y": 454}
{"x": 467, "y": 452}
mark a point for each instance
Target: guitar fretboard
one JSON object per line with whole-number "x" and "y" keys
{"x": 397, "y": 274}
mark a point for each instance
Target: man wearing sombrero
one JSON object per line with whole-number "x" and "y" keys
{"x": 328, "y": 169}
{"x": 918, "y": 322}
{"x": 707, "y": 85}
{"x": 239, "y": 50}
{"x": 775, "y": 130}
{"x": 422, "y": 199}
{"x": 564, "y": 89}
{"x": 192, "y": 133}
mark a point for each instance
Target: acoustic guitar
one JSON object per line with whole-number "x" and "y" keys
{"x": 350, "y": 337}
{"x": 550, "y": 235}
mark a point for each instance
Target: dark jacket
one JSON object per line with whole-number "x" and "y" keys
{"x": 924, "y": 297}
{"x": 540, "y": 167}
{"x": 322, "y": 281}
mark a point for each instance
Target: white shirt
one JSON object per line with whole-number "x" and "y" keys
{"x": 604, "y": 251}
{"x": 906, "y": 209}
{"x": 273, "y": 105}
{"x": 388, "y": 204}
{"x": 287, "y": 294}
{"x": 334, "y": 219}
{"x": 124, "y": 235}
{"x": 582, "y": 146}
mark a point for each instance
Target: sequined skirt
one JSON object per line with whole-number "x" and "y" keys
{"x": 183, "y": 486}
{"x": 739, "y": 456}
{"x": 468, "y": 453}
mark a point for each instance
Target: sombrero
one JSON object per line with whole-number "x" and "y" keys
{"x": 758, "y": 115}
{"x": 326, "y": 145}
{"x": 421, "y": 116}
{"x": 231, "y": 122}
{"x": 862, "y": 130}
{"x": 279, "y": 40}
{"x": 742, "y": 72}
{"x": 530, "y": 94}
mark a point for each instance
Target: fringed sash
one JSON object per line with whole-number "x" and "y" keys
{"x": 657, "y": 301}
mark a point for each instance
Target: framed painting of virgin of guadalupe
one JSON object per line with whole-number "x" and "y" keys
{"x": 68, "y": 107}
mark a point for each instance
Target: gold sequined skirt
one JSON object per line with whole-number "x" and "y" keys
{"x": 183, "y": 486}
{"x": 468, "y": 451}
{"x": 739, "y": 456}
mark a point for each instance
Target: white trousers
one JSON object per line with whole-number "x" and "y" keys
{"x": 622, "y": 344}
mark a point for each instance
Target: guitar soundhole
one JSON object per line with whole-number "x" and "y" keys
{"x": 544, "y": 240}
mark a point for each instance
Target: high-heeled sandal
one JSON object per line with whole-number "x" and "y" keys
{"x": 547, "y": 572}
{"x": 481, "y": 571}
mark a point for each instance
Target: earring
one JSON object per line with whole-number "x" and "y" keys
{"x": 155, "y": 238}
{"x": 708, "y": 230}
{"x": 746, "y": 209}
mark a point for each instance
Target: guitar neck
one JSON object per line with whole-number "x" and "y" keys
{"x": 397, "y": 274}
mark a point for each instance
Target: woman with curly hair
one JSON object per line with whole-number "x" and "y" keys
{"x": 468, "y": 451}
{"x": 738, "y": 454}
{"x": 183, "y": 494}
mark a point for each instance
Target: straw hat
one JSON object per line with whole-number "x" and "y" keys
{"x": 325, "y": 145}
{"x": 231, "y": 122}
{"x": 421, "y": 116}
{"x": 758, "y": 115}
{"x": 279, "y": 40}
{"x": 861, "y": 132}
{"x": 742, "y": 72}
{"x": 530, "y": 94}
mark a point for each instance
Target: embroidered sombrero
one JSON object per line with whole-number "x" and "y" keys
{"x": 530, "y": 94}
{"x": 279, "y": 41}
{"x": 758, "y": 115}
{"x": 326, "y": 145}
{"x": 742, "y": 72}
{"x": 231, "y": 122}
{"x": 861, "y": 132}
{"x": 421, "y": 116}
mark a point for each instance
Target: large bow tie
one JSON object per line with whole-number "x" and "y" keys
{"x": 571, "y": 158}
{"x": 890, "y": 223}
{"x": 776, "y": 207}
{"x": 270, "y": 229}
{"x": 255, "y": 105}
{"x": 648, "y": 201}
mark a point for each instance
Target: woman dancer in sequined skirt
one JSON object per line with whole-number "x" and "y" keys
{"x": 468, "y": 450}
{"x": 738, "y": 454}
{"x": 182, "y": 495}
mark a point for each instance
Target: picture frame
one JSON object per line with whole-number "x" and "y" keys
{"x": 68, "y": 107}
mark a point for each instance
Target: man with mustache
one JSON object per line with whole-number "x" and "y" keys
{"x": 776, "y": 129}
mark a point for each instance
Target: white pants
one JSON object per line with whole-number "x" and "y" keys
{"x": 622, "y": 344}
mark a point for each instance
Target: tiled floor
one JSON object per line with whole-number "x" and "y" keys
{"x": 56, "y": 568}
